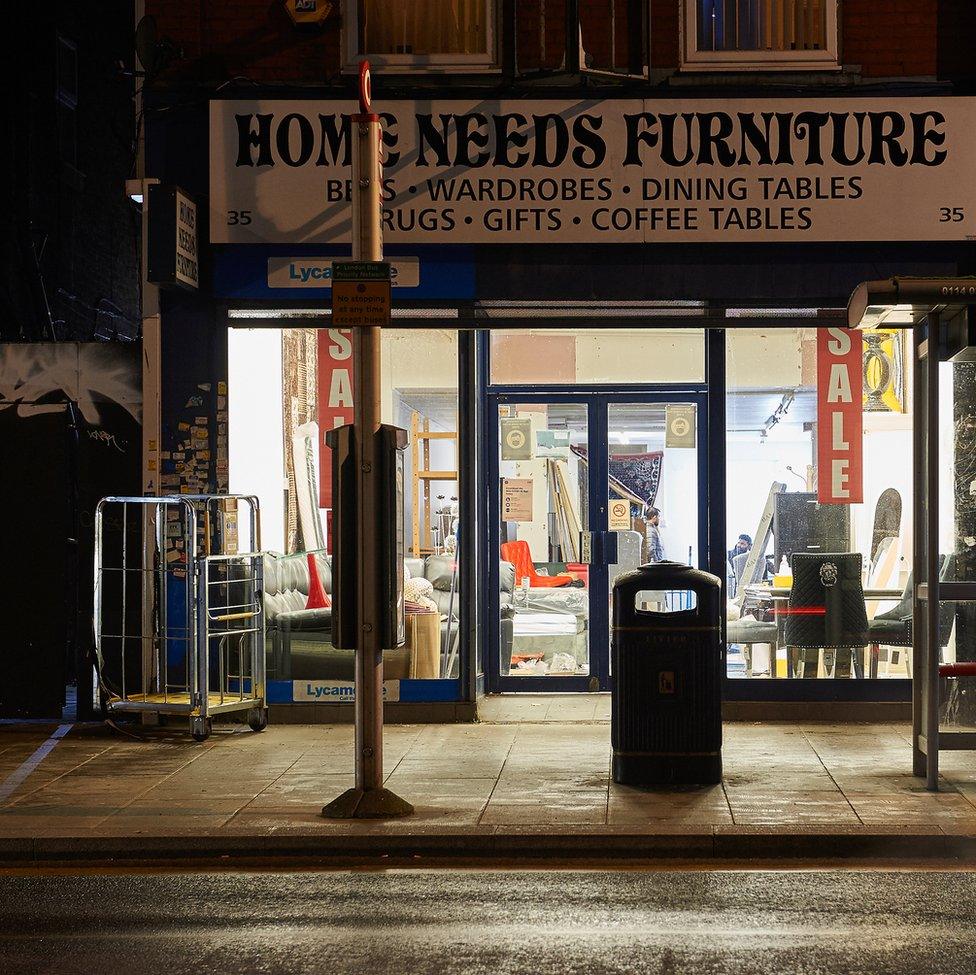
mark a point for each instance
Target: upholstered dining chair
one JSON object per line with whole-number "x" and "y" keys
{"x": 893, "y": 628}
{"x": 826, "y": 613}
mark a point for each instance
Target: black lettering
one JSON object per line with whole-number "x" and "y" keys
{"x": 334, "y": 135}
{"x": 636, "y": 136}
{"x": 924, "y": 135}
{"x": 429, "y": 137}
{"x": 543, "y": 125}
{"x": 504, "y": 138}
{"x": 306, "y": 140}
{"x": 886, "y": 129}
{"x": 584, "y": 132}
{"x": 247, "y": 137}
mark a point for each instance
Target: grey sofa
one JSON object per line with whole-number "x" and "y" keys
{"x": 299, "y": 640}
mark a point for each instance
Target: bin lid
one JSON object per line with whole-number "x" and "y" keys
{"x": 666, "y": 575}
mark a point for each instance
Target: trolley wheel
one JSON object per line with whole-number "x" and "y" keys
{"x": 257, "y": 719}
{"x": 200, "y": 728}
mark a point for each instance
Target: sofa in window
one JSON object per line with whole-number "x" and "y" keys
{"x": 299, "y": 640}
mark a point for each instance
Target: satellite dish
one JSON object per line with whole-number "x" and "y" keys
{"x": 147, "y": 43}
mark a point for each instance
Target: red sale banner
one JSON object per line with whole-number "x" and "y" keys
{"x": 334, "y": 394}
{"x": 840, "y": 417}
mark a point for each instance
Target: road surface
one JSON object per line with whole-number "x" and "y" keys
{"x": 490, "y": 922}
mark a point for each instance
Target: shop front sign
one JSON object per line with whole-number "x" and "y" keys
{"x": 613, "y": 170}
{"x": 316, "y": 272}
{"x": 840, "y": 416}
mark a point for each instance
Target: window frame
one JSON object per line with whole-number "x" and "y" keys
{"x": 826, "y": 59}
{"x": 489, "y": 61}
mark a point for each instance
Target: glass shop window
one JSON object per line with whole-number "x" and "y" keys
{"x": 285, "y": 387}
{"x": 757, "y": 35}
{"x": 819, "y": 503}
{"x": 445, "y": 34}
{"x": 607, "y": 355}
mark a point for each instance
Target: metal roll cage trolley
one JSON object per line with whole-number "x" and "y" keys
{"x": 941, "y": 313}
{"x": 178, "y": 619}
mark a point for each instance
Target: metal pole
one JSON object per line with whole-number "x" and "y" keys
{"x": 919, "y": 631}
{"x": 932, "y": 554}
{"x": 369, "y": 800}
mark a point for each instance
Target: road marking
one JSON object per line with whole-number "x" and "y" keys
{"x": 17, "y": 777}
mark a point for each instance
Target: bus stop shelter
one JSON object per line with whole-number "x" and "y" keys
{"x": 941, "y": 313}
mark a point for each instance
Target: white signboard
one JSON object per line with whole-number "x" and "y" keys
{"x": 613, "y": 170}
{"x": 187, "y": 268}
{"x": 316, "y": 272}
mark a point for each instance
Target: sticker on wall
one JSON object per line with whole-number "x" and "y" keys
{"x": 619, "y": 515}
{"x": 516, "y": 438}
{"x": 517, "y": 499}
{"x": 679, "y": 423}
{"x": 337, "y": 691}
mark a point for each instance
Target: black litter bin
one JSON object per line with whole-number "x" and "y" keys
{"x": 666, "y": 652}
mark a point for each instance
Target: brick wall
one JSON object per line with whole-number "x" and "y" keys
{"x": 890, "y": 38}
{"x": 65, "y": 196}
{"x": 256, "y": 39}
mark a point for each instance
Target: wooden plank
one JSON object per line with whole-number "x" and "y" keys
{"x": 415, "y": 482}
{"x": 437, "y": 475}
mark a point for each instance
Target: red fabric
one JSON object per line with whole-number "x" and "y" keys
{"x": 317, "y": 599}
{"x": 518, "y": 554}
{"x": 966, "y": 668}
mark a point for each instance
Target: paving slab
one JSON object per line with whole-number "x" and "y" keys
{"x": 513, "y": 788}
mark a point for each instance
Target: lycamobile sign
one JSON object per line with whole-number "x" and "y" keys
{"x": 612, "y": 171}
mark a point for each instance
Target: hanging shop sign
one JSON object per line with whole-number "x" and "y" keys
{"x": 840, "y": 416}
{"x": 173, "y": 249}
{"x": 610, "y": 170}
{"x": 333, "y": 396}
{"x": 516, "y": 499}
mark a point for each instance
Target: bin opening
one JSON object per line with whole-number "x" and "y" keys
{"x": 665, "y": 601}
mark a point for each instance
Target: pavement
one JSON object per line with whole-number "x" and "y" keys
{"x": 482, "y": 922}
{"x": 517, "y": 786}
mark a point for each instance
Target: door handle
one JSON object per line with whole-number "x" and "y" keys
{"x": 598, "y": 548}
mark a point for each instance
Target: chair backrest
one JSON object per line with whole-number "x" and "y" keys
{"x": 826, "y": 607}
{"x": 518, "y": 554}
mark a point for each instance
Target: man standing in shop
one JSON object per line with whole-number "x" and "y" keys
{"x": 652, "y": 534}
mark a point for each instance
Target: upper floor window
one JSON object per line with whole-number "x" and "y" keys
{"x": 756, "y": 35}
{"x": 447, "y": 35}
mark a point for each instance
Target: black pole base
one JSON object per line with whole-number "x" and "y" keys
{"x": 367, "y": 804}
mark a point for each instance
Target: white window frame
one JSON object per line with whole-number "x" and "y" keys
{"x": 827, "y": 59}
{"x": 430, "y": 63}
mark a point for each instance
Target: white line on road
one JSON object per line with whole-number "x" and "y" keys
{"x": 19, "y": 774}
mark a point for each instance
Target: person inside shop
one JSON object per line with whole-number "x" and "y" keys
{"x": 737, "y": 560}
{"x": 652, "y": 534}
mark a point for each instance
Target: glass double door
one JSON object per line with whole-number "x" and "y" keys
{"x": 582, "y": 488}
